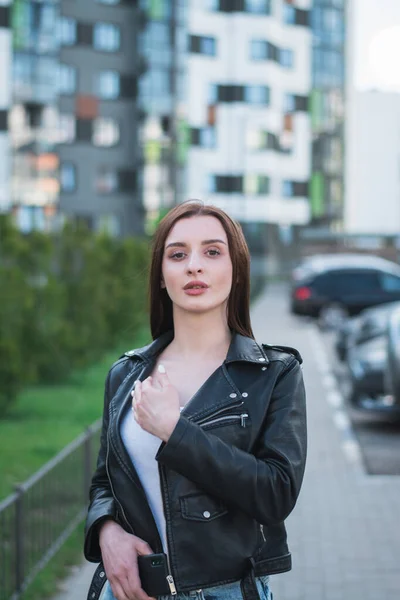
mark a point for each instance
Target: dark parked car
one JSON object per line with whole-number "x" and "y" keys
{"x": 370, "y": 323}
{"x": 336, "y": 286}
{"x": 374, "y": 369}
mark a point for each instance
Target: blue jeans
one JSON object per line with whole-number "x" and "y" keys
{"x": 230, "y": 591}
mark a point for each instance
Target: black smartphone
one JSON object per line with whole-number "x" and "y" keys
{"x": 154, "y": 575}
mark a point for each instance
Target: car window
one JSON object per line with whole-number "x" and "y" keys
{"x": 348, "y": 281}
{"x": 390, "y": 283}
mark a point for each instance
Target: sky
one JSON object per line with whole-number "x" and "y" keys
{"x": 377, "y": 44}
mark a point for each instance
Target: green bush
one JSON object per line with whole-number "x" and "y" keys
{"x": 65, "y": 299}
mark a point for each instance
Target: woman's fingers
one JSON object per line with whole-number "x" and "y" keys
{"x": 118, "y": 591}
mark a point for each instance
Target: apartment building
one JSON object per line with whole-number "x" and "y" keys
{"x": 162, "y": 96}
{"x": 249, "y": 83}
{"x": 100, "y": 154}
{"x": 327, "y": 115}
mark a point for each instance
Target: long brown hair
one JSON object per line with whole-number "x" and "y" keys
{"x": 161, "y": 317}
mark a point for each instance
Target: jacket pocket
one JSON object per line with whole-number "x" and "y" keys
{"x": 201, "y": 507}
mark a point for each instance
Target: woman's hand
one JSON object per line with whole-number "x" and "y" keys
{"x": 155, "y": 405}
{"x": 119, "y": 551}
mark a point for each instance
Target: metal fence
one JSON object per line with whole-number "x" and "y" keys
{"x": 43, "y": 512}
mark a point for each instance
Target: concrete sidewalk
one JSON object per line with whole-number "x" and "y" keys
{"x": 342, "y": 533}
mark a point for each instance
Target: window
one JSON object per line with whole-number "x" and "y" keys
{"x": 287, "y": 189}
{"x": 105, "y": 132}
{"x": 256, "y": 184}
{"x": 108, "y": 85}
{"x": 203, "y": 45}
{"x": 263, "y": 50}
{"x": 211, "y": 4}
{"x": 348, "y": 282}
{"x": 258, "y": 50}
{"x": 66, "y": 79}
{"x": 295, "y": 16}
{"x": 85, "y": 34}
{"x": 67, "y": 31}
{"x": 208, "y": 46}
{"x": 66, "y": 129}
{"x": 208, "y": 137}
{"x": 289, "y": 14}
{"x": 390, "y": 283}
{"x": 68, "y": 177}
{"x": 257, "y": 140}
{"x": 204, "y": 137}
{"x": 256, "y": 94}
{"x": 287, "y": 58}
{"x": 227, "y": 184}
{"x": 295, "y": 103}
{"x": 292, "y": 189}
{"x": 225, "y": 93}
{"x": 106, "y": 180}
{"x": 212, "y": 93}
{"x": 261, "y": 7}
{"x": 108, "y": 1}
{"x": 106, "y": 37}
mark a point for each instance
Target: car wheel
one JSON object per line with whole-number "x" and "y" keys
{"x": 332, "y": 316}
{"x": 393, "y": 362}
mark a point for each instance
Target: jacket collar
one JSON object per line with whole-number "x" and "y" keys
{"x": 241, "y": 348}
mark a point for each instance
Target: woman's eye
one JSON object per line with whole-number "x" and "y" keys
{"x": 213, "y": 252}
{"x": 177, "y": 255}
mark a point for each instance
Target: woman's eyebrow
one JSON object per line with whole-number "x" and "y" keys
{"x": 203, "y": 243}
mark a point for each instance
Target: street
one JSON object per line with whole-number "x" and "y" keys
{"x": 378, "y": 436}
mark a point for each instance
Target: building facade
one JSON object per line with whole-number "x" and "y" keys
{"x": 372, "y": 164}
{"x": 327, "y": 115}
{"x": 33, "y": 116}
{"x": 163, "y": 98}
{"x": 249, "y": 83}
{"x": 100, "y": 154}
{"x": 5, "y": 100}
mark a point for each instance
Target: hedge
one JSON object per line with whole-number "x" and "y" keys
{"x": 65, "y": 298}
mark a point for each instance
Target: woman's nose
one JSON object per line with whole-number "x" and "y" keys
{"x": 194, "y": 269}
{"x": 194, "y": 265}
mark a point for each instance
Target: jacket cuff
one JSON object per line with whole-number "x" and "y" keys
{"x": 174, "y": 440}
{"x": 105, "y": 509}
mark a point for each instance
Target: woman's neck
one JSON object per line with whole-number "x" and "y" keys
{"x": 200, "y": 337}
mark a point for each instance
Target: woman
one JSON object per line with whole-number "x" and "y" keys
{"x": 209, "y": 462}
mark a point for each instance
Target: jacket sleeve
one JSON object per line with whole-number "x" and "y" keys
{"x": 102, "y": 504}
{"x": 264, "y": 484}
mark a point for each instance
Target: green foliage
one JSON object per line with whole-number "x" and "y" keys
{"x": 65, "y": 299}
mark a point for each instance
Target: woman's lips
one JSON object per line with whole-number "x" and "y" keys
{"x": 195, "y": 291}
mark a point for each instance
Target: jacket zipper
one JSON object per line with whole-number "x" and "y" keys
{"x": 170, "y": 578}
{"x": 242, "y": 418}
{"x": 219, "y": 412}
{"x": 112, "y": 487}
{"x": 262, "y": 532}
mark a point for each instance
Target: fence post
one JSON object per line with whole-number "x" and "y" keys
{"x": 19, "y": 540}
{"x": 87, "y": 475}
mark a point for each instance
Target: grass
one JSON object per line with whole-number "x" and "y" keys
{"x": 42, "y": 422}
{"x": 44, "y": 419}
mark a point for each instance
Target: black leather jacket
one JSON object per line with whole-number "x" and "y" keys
{"x": 230, "y": 473}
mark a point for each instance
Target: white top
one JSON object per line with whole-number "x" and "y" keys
{"x": 142, "y": 448}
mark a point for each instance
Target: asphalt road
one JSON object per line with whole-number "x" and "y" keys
{"x": 378, "y": 436}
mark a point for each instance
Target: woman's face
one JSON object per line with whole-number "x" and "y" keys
{"x": 196, "y": 250}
